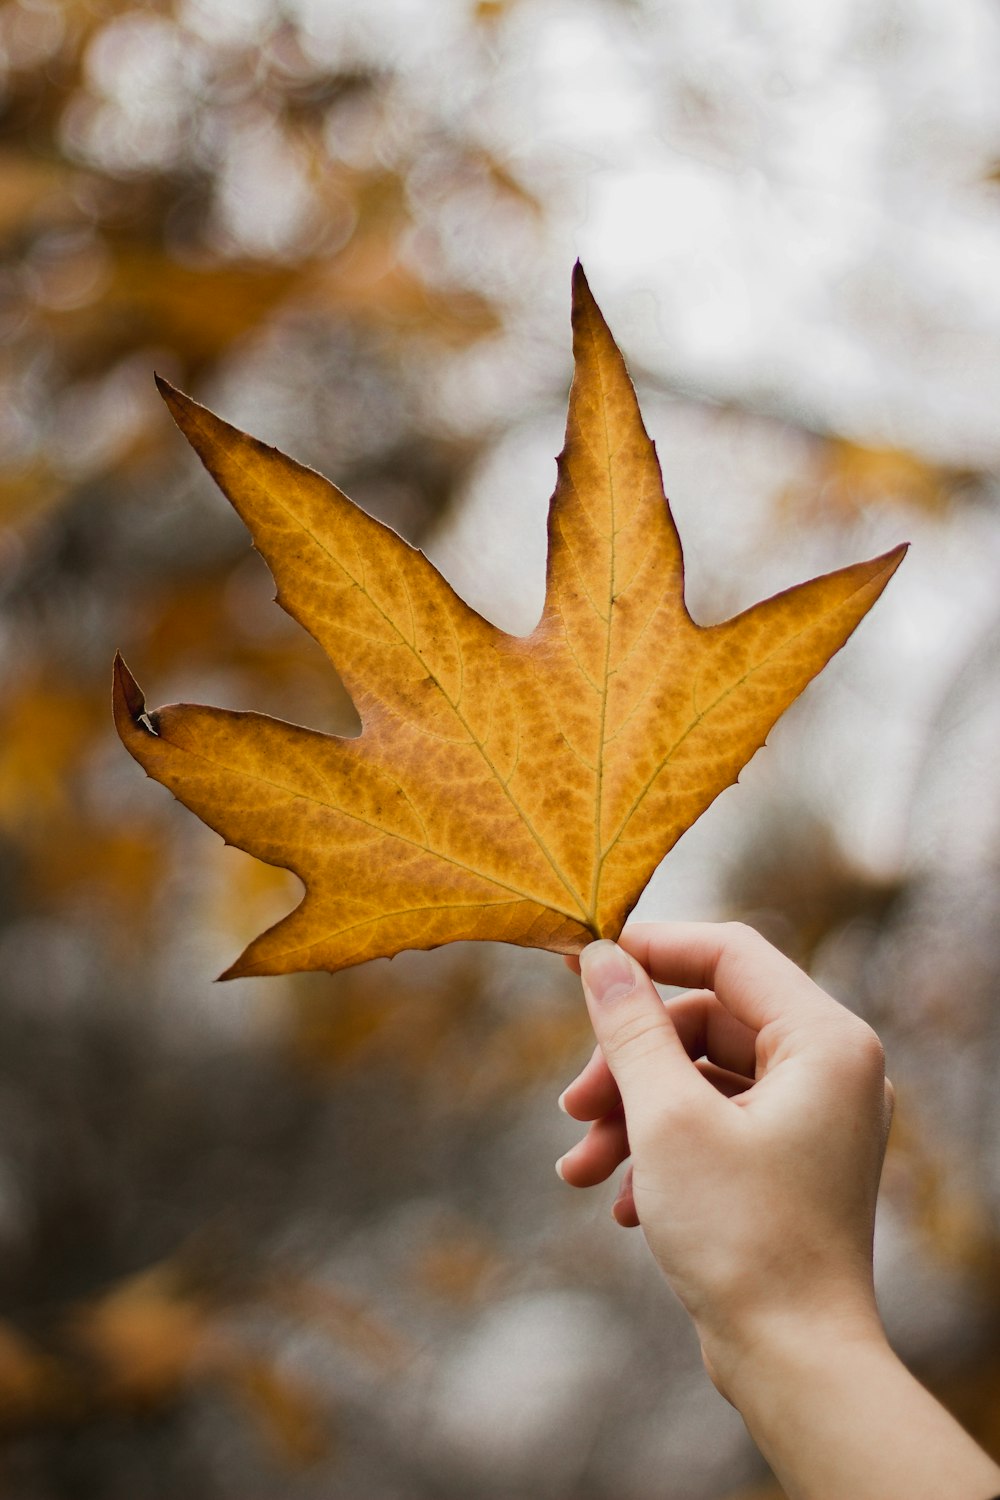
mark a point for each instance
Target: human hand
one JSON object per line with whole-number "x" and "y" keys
{"x": 756, "y": 1113}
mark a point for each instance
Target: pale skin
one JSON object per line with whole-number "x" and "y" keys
{"x": 756, "y": 1111}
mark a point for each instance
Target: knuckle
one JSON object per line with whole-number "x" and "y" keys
{"x": 742, "y": 944}
{"x": 739, "y": 935}
{"x": 636, "y": 1036}
{"x": 868, "y": 1048}
{"x": 861, "y": 1052}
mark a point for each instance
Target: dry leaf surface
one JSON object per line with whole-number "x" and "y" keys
{"x": 521, "y": 789}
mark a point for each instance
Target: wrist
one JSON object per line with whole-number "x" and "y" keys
{"x": 773, "y": 1348}
{"x": 835, "y": 1412}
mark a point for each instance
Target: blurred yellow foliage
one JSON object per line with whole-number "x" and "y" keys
{"x": 439, "y": 1031}
{"x": 956, "y": 1223}
{"x": 143, "y": 1344}
{"x": 461, "y": 1264}
{"x": 291, "y": 1415}
{"x": 848, "y": 478}
{"x": 148, "y": 1338}
{"x": 42, "y": 726}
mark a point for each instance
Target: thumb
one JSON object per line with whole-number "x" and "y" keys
{"x": 634, "y": 1030}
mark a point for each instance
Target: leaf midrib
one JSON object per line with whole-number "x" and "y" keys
{"x": 606, "y": 676}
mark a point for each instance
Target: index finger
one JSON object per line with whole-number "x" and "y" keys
{"x": 755, "y": 982}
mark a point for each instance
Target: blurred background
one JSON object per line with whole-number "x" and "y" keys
{"x": 302, "y": 1237}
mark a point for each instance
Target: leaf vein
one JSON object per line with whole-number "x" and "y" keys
{"x": 356, "y": 817}
{"x": 521, "y": 812}
{"x": 388, "y": 916}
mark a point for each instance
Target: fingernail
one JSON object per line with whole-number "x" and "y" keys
{"x": 561, "y": 1101}
{"x": 559, "y": 1170}
{"x": 607, "y": 972}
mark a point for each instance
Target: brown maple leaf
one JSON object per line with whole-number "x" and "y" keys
{"x": 521, "y": 789}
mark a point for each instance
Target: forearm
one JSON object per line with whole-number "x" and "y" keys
{"x": 837, "y": 1414}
